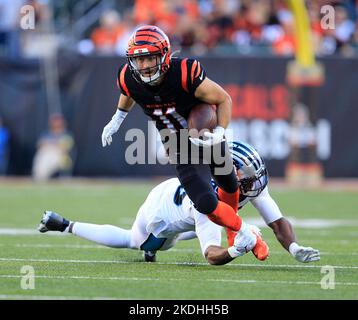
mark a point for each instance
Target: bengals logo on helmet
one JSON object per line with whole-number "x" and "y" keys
{"x": 149, "y": 40}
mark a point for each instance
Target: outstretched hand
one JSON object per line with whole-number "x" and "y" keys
{"x": 307, "y": 254}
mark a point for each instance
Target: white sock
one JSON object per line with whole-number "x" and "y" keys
{"x": 67, "y": 230}
{"x": 293, "y": 248}
{"x": 106, "y": 235}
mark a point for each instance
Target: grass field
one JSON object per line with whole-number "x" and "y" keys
{"x": 67, "y": 267}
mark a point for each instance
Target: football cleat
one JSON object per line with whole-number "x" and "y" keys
{"x": 261, "y": 249}
{"x": 149, "y": 256}
{"x": 52, "y": 221}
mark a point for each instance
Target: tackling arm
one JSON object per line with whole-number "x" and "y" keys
{"x": 282, "y": 228}
{"x": 217, "y": 255}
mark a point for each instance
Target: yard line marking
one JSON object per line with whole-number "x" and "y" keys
{"x": 67, "y": 246}
{"x": 26, "y": 232}
{"x": 190, "y": 250}
{"x": 174, "y": 263}
{"x": 82, "y": 277}
{"x": 182, "y": 279}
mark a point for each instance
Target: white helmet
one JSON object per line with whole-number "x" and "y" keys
{"x": 251, "y": 168}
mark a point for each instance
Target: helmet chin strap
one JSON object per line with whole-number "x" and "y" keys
{"x": 152, "y": 79}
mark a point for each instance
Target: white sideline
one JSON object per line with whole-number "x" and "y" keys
{"x": 182, "y": 279}
{"x": 174, "y": 263}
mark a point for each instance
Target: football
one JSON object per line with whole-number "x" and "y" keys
{"x": 202, "y": 118}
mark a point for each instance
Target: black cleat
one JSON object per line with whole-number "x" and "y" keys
{"x": 52, "y": 221}
{"x": 150, "y": 256}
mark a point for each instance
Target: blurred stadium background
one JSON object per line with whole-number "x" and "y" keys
{"x": 300, "y": 115}
{"x": 291, "y": 68}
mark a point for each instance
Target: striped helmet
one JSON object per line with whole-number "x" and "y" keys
{"x": 251, "y": 168}
{"x": 148, "y": 41}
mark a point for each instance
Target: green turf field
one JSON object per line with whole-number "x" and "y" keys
{"x": 69, "y": 267}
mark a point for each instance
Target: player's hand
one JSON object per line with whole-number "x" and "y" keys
{"x": 245, "y": 240}
{"x": 112, "y": 127}
{"x": 213, "y": 138}
{"x": 307, "y": 254}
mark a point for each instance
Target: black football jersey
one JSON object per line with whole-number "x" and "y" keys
{"x": 170, "y": 102}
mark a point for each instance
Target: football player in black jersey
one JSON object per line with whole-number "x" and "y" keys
{"x": 167, "y": 89}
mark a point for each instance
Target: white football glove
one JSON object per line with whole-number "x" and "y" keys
{"x": 244, "y": 241}
{"x": 112, "y": 127}
{"x": 306, "y": 254}
{"x": 213, "y": 138}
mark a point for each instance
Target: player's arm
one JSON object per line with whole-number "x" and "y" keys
{"x": 125, "y": 104}
{"x": 209, "y": 235}
{"x": 282, "y": 228}
{"x": 210, "y": 92}
{"x": 217, "y": 255}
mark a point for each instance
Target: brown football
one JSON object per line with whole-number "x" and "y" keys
{"x": 203, "y": 118}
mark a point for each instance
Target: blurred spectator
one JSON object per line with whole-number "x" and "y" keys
{"x": 4, "y": 148}
{"x": 285, "y": 44}
{"x": 9, "y": 27}
{"x": 105, "y": 37}
{"x": 302, "y": 133}
{"x": 55, "y": 148}
{"x": 230, "y": 26}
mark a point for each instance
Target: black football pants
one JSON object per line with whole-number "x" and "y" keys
{"x": 195, "y": 178}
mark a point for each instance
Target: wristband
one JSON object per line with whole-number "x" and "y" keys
{"x": 233, "y": 253}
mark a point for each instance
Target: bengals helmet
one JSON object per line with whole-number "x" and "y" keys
{"x": 251, "y": 169}
{"x": 148, "y": 41}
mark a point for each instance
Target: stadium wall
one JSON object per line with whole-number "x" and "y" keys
{"x": 261, "y": 112}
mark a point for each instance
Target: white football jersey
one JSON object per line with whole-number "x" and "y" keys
{"x": 169, "y": 212}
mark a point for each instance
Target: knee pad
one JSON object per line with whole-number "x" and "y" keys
{"x": 206, "y": 203}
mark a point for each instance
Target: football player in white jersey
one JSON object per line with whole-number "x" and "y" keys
{"x": 166, "y": 216}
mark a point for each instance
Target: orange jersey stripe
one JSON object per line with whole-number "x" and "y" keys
{"x": 184, "y": 74}
{"x": 192, "y": 71}
{"x": 121, "y": 79}
{"x": 198, "y": 71}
